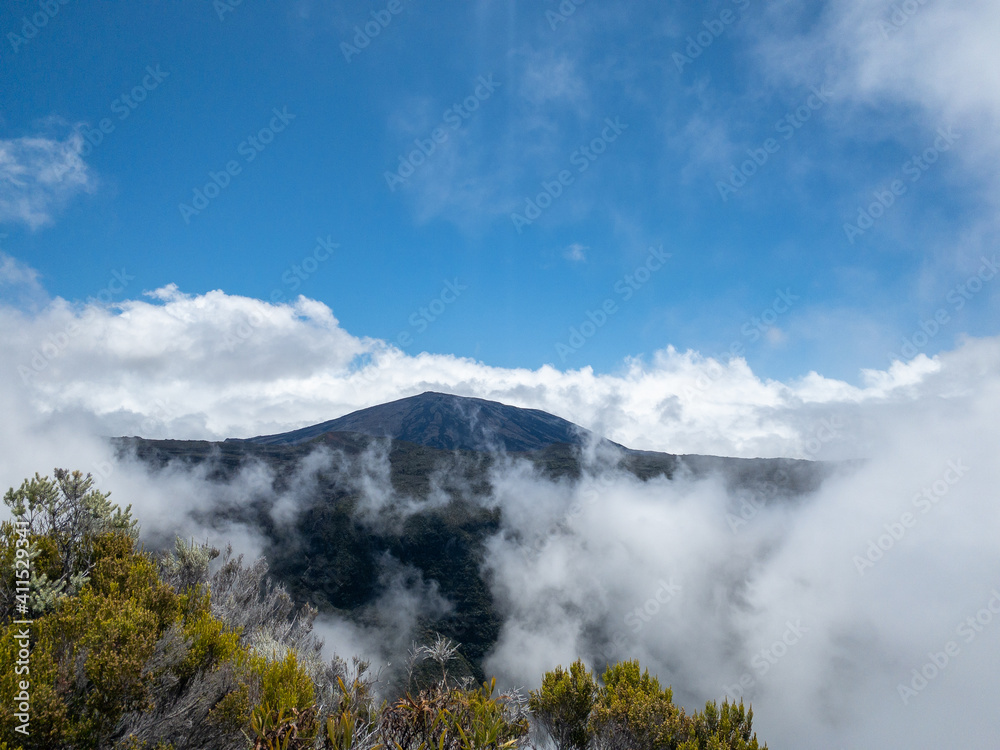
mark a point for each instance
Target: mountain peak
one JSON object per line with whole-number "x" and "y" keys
{"x": 447, "y": 422}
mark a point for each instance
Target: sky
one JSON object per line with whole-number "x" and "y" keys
{"x": 445, "y": 178}
{"x": 731, "y": 228}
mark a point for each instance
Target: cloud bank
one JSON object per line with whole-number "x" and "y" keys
{"x": 216, "y": 365}
{"x": 818, "y": 612}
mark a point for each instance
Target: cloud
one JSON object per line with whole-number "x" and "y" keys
{"x": 15, "y": 273}
{"x": 39, "y": 175}
{"x": 552, "y": 78}
{"x": 824, "y": 613}
{"x": 576, "y": 253}
{"x": 817, "y": 611}
{"x": 216, "y": 365}
{"x": 19, "y": 284}
{"x": 933, "y": 61}
{"x": 714, "y": 590}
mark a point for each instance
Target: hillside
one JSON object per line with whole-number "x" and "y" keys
{"x": 446, "y": 422}
{"x": 333, "y": 555}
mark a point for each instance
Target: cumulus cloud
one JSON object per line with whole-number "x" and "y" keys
{"x": 817, "y": 611}
{"x": 216, "y": 365}
{"x": 38, "y": 175}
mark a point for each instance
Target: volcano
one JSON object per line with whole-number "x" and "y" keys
{"x": 447, "y": 422}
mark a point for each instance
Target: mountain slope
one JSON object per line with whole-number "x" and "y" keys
{"x": 421, "y": 501}
{"x": 446, "y": 422}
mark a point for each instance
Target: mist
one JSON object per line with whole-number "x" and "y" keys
{"x": 816, "y": 612}
{"x": 860, "y": 615}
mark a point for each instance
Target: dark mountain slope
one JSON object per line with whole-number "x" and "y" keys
{"x": 332, "y": 554}
{"x": 446, "y": 422}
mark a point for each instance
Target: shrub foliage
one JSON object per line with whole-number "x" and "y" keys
{"x": 134, "y": 651}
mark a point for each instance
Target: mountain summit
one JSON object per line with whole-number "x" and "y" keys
{"x": 446, "y": 422}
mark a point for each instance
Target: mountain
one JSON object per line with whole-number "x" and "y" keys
{"x": 438, "y": 462}
{"x": 446, "y": 422}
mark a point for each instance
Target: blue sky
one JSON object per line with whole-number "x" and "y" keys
{"x": 507, "y": 97}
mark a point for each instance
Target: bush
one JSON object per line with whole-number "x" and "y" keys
{"x": 64, "y": 519}
{"x": 126, "y": 651}
{"x": 455, "y": 719}
{"x": 631, "y": 711}
{"x": 90, "y": 648}
{"x": 563, "y": 703}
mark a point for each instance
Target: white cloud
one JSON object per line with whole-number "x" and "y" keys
{"x": 38, "y": 175}
{"x": 218, "y": 365}
{"x": 576, "y": 253}
{"x": 552, "y": 78}
{"x": 936, "y": 62}
{"x": 15, "y": 273}
{"x": 858, "y": 584}
{"x": 19, "y": 283}
{"x": 608, "y": 545}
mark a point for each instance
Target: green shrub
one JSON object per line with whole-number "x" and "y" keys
{"x": 729, "y": 726}
{"x": 284, "y": 716}
{"x": 631, "y": 710}
{"x": 103, "y": 623}
{"x": 563, "y": 703}
{"x": 210, "y": 641}
{"x": 454, "y": 719}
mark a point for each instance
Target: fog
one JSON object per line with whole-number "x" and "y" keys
{"x": 816, "y": 611}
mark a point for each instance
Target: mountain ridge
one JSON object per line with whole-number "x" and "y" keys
{"x": 436, "y": 457}
{"x": 446, "y": 422}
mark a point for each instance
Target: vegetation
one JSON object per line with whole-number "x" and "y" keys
{"x": 135, "y": 651}
{"x": 630, "y": 711}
